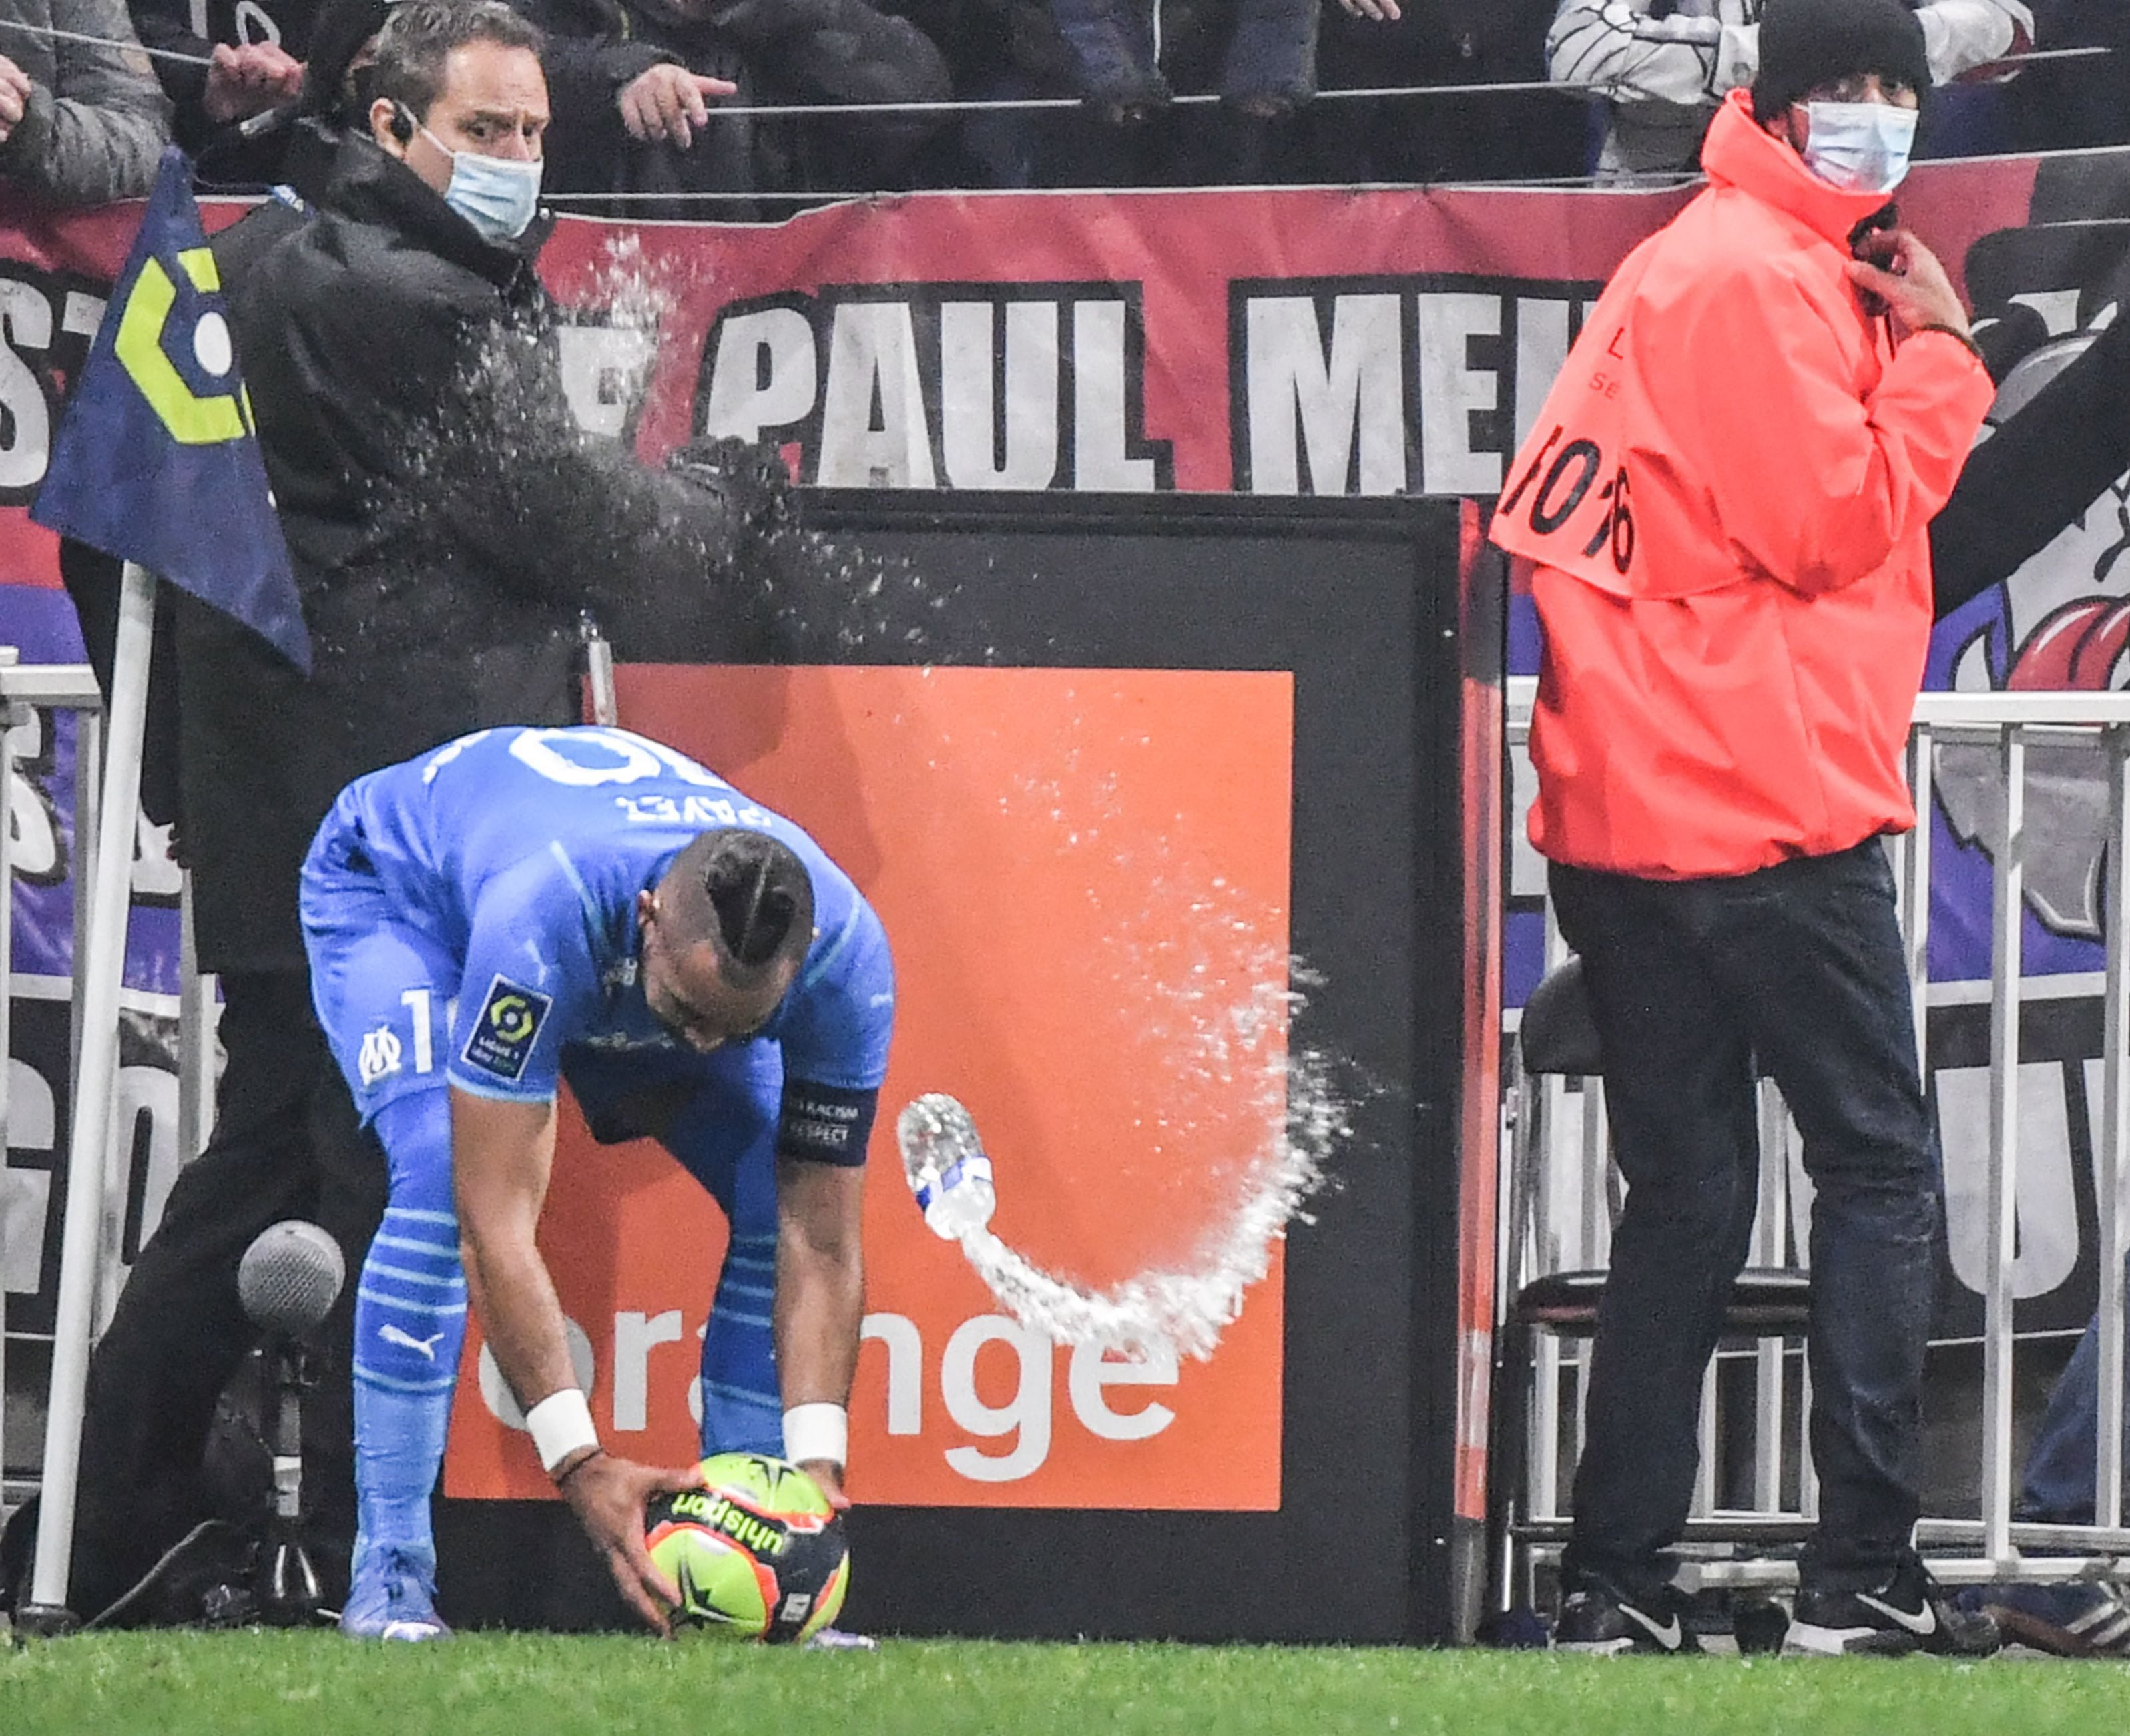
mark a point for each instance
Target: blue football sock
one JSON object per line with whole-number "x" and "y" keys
{"x": 742, "y": 1409}
{"x": 726, "y": 1137}
{"x": 409, "y": 1325}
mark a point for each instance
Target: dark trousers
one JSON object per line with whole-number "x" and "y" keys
{"x": 287, "y": 1144}
{"x": 1800, "y": 967}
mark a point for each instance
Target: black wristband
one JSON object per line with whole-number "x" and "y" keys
{"x": 562, "y": 1478}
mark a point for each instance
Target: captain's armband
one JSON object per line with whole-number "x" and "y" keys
{"x": 823, "y": 1123}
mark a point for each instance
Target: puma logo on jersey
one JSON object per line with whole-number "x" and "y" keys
{"x": 392, "y": 1334}
{"x": 379, "y": 1056}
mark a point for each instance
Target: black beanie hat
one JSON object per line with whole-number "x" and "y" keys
{"x": 1807, "y": 42}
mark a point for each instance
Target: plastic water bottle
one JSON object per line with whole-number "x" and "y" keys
{"x": 948, "y": 1170}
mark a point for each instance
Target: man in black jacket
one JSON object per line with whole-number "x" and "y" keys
{"x": 447, "y": 521}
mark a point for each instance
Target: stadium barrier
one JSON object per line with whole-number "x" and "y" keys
{"x": 2089, "y": 732}
{"x": 1098, "y": 644}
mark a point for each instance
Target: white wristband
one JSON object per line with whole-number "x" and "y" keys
{"x": 817, "y": 1431}
{"x": 560, "y": 1424}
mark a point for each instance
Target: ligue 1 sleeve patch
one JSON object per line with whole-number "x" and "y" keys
{"x": 505, "y": 1029}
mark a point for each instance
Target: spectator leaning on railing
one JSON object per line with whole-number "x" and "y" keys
{"x": 1130, "y": 57}
{"x": 261, "y": 63}
{"x": 629, "y": 97}
{"x": 80, "y": 124}
{"x": 2070, "y": 105}
{"x": 1266, "y": 49}
{"x": 1665, "y": 64}
{"x": 634, "y": 83}
{"x": 1485, "y": 135}
{"x": 254, "y": 56}
{"x": 995, "y": 49}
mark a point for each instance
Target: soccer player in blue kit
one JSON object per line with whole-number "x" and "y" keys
{"x": 525, "y": 905}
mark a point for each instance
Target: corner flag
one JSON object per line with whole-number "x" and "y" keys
{"x": 156, "y": 460}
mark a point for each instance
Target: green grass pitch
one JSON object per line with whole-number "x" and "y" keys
{"x": 538, "y": 1685}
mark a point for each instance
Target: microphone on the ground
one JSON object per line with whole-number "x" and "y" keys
{"x": 288, "y": 1281}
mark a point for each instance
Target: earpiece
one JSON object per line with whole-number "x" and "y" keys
{"x": 401, "y": 125}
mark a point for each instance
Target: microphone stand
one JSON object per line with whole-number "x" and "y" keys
{"x": 285, "y": 1583}
{"x": 288, "y": 1281}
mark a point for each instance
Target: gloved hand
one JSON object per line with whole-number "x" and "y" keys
{"x": 748, "y": 477}
{"x": 1112, "y": 64}
{"x": 1129, "y": 104}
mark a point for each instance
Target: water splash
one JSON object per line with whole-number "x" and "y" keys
{"x": 633, "y": 293}
{"x": 527, "y": 516}
{"x": 1192, "y": 1303}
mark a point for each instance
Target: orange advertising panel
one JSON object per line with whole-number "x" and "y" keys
{"x": 1085, "y": 876}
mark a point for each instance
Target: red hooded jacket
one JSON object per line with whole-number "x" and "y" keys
{"x": 1725, "y": 504}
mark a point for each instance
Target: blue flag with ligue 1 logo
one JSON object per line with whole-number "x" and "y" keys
{"x": 156, "y": 460}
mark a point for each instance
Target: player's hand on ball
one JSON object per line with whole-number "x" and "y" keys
{"x": 608, "y": 1494}
{"x": 757, "y": 1551}
{"x": 829, "y": 1474}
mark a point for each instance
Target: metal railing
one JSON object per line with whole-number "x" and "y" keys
{"x": 69, "y": 687}
{"x": 1992, "y": 1547}
{"x": 72, "y": 688}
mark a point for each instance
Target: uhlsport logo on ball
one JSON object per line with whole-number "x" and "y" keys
{"x": 757, "y": 1551}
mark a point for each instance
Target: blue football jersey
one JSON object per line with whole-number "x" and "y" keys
{"x": 521, "y": 852}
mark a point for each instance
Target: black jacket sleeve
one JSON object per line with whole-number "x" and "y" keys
{"x": 167, "y": 24}
{"x": 671, "y": 564}
{"x": 844, "y": 52}
{"x": 586, "y": 75}
{"x": 2036, "y": 474}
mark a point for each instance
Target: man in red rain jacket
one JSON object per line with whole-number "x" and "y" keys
{"x": 1725, "y": 504}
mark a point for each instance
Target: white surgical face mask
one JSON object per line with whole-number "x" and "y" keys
{"x": 497, "y": 195}
{"x": 1861, "y": 146}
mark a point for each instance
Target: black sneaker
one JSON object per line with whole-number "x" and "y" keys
{"x": 1599, "y": 1616}
{"x": 1907, "y": 1612}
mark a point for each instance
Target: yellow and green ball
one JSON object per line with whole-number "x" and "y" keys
{"x": 757, "y": 1551}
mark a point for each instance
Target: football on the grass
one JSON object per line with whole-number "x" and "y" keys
{"x": 757, "y": 1551}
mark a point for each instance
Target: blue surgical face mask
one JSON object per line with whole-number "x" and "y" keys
{"x": 1860, "y": 146}
{"x": 497, "y": 195}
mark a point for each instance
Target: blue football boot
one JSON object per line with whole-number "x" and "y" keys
{"x": 392, "y": 1596}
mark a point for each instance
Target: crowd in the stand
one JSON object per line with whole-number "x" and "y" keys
{"x": 669, "y": 108}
